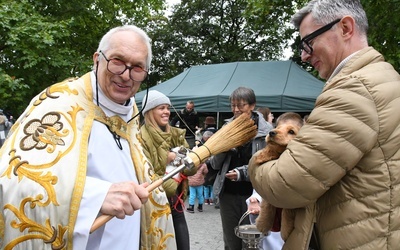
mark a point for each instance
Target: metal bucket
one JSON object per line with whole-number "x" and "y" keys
{"x": 250, "y": 235}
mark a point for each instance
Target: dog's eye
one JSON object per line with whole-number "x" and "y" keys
{"x": 292, "y": 132}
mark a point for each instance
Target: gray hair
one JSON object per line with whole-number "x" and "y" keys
{"x": 243, "y": 93}
{"x": 105, "y": 40}
{"x": 326, "y": 11}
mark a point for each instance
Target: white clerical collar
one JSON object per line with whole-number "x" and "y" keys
{"x": 109, "y": 107}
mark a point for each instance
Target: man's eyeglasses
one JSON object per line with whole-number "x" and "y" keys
{"x": 239, "y": 105}
{"x": 118, "y": 67}
{"x": 305, "y": 42}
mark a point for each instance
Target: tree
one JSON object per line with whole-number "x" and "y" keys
{"x": 11, "y": 92}
{"x": 384, "y": 28}
{"x": 209, "y": 31}
{"x": 46, "y": 41}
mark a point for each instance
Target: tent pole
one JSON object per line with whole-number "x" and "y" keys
{"x": 217, "y": 119}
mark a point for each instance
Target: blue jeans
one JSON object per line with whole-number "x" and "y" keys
{"x": 196, "y": 192}
{"x": 208, "y": 192}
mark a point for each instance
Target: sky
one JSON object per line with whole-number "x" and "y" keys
{"x": 170, "y": 3}
{"x": 173, "y": 1}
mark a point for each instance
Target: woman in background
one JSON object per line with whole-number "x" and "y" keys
{"x": 158, "y": 138}
{"x": 267, "y": 114}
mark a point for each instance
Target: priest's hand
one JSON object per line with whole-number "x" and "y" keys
{"x": 171, "y": 157}
{"x": 124, "y": 198}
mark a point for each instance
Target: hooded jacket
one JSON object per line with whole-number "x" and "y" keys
{"x": 156, "y": 145}
{"x": 345, "y": 160}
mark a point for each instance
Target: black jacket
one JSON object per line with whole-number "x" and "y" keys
{"x": 190, "y": 118}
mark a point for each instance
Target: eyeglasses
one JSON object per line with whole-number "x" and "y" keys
{"x": 305, "y": 42}
{"x": 239, "y": 105}
{"x": 118, "y": 67}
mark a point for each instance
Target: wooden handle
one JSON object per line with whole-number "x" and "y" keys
{"x": 100, "y": 221}
{"x": 103, "y": 219}
{"x": 235, "y": 133}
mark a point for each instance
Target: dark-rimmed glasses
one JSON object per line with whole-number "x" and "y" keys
{"x": 305, "y": 42}
{"x": 239, "y": 105}
{"x": 118, "y": 67}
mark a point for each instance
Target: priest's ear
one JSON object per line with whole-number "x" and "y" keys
{"x": 96, "y": 57}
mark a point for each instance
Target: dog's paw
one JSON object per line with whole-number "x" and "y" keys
{"x": 288, "y": 218}
{"x": 265, "y": 219}
{"x": 262, "y": 157}
{"x": 262, "y": 226}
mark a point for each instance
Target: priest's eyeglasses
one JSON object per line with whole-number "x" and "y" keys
{"x": 305, "y": 43}
{"x": 118, "y": 67}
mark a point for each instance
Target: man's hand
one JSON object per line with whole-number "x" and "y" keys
{"x": 124, "y": 198}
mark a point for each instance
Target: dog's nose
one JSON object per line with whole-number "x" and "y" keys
{"x": 272, "y": 133}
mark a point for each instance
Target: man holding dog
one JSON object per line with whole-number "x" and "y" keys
{"x": 341, "y": 174}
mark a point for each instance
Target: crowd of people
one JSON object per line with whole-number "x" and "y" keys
{"x": 5, "y": 126}
{"x": 79, "y": 153}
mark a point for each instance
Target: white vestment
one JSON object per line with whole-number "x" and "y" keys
{"x": 107, "y": 164}
{"x": 56, "y": 168}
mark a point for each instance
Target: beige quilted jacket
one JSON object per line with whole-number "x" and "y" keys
{"x": 345, "y": 160}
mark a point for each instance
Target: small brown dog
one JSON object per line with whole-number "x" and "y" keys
{"x": 277, "y": 140}
{"x": 271, "y": 218}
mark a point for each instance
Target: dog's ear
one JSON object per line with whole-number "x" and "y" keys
{"x": 270, "y": 152}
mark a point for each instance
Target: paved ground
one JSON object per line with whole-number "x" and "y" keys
{"x": 205, "y": 229}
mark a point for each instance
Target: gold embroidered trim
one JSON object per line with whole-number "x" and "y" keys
{"x": 46, "y": 133}
{"x": 115, "y": 123}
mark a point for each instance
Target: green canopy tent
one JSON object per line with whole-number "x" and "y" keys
{"x": 280, "y": 85}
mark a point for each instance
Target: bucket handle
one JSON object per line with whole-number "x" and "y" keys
{"x": 244, "y": 216}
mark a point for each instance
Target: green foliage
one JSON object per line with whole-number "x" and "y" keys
{"x": 384, "y": 28}
{"x": 11, "y": 92}
{"x": 46, "y": 41}
{"x": 209, "y": 31}
{"x": 28, "y": 45}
